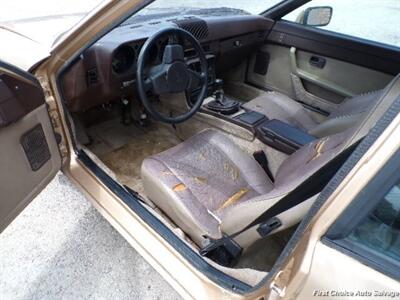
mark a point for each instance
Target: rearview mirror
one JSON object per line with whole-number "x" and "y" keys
{"x": 317, "y": 16}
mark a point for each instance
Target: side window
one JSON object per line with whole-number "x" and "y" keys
{"x": 369, "y": 229}
{"x": 380, "y": 230}
{"x": 374, "y": 20}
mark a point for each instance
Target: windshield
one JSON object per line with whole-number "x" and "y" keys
{"x": 43, "y": 20}
{"x": 174, "y": 8}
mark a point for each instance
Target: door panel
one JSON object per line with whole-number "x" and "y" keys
{"x": 372, "y": 55}
{"x": 323, "y": 72}
{"x": 278, "y": 72}
{"x": 346, "y": 76}
{"x": 29, "y": 155}
{"x": 345, "y": 274}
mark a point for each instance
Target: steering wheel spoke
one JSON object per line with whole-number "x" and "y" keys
{"x": 172, "y": 53}
{"x": 158, "y": 80}
{"x": 147, "y": 85}
{"x": 195, "y": 80}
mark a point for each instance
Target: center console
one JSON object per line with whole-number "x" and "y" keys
{"x": 282, "y": 136}
{"x": 275, "y": 133}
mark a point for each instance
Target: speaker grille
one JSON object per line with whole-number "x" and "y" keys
{"x": 195, "y": 26}
{"x": 36, "y": 147}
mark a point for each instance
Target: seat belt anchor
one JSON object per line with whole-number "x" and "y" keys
{"x": 225, "y": 250}
{"x": 267, "y": 227}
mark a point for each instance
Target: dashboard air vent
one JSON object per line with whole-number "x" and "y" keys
{"x": 195, "y": 26}
{"x": 91, "y": 77}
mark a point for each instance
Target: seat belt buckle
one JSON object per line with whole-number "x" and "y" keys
{"x": 267, "y": 227}
{"x": 224, "y": 251}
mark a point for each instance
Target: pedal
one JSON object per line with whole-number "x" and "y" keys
{"x": 144, "y": 120}
{"x": 126, "y": 117}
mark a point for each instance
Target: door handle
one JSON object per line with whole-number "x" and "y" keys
{"x": 317, "y": 61}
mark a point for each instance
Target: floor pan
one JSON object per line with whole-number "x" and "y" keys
{"x": 123, "y": 148}
{"x": 263, "y": 254}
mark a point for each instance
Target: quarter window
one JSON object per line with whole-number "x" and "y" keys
{"x": 380, "y": 230}
{"x": 369, "y": 229}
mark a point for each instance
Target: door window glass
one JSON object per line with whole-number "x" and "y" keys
{"x": 375, "y": 20}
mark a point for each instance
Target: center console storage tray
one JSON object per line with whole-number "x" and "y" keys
{"x": 283, "y": 136}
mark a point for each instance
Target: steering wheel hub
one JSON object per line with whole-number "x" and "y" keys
{"x": 177, "y": 77}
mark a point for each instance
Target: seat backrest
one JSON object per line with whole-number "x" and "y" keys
{"x": 348, "y": 113}
{"x": 307, "y": 161}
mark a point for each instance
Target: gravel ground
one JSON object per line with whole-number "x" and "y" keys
{"x": 60, "y": 246}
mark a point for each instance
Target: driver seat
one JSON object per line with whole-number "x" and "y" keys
{"x": 210, "y": 188}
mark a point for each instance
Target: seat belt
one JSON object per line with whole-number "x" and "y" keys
{"x": 267, "y": 220}
{"x": 262, "y": 160}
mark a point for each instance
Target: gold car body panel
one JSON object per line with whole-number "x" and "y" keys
{"x": 184, "y": 277}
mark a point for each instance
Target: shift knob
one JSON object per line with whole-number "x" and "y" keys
{"x": 219, "y": 91}
{"x": 218, "y": 84}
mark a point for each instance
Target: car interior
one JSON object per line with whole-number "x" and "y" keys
{"x": 226, "y": 127}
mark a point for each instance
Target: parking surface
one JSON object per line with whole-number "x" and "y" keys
{"x": 60, "y": 246}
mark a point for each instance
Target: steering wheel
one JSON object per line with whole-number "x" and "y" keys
{"x": 172, "y": 75}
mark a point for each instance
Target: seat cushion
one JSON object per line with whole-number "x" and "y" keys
{"x": 349, "y": 113}
{"x": 197, "y": 179}
{"x": 358, "y": 104}
{"x": 278, "y": 106}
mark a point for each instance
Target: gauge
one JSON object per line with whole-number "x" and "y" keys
{"x": 123, "y": 59}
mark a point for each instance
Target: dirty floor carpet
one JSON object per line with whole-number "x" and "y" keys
{"x": 123, "y": 148}
{"x": 263, "y": 254}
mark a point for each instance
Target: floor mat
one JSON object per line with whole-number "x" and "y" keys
{"x": 123, "y": 148}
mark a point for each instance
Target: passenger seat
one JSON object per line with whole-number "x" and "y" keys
{"x": 278, "y": 106}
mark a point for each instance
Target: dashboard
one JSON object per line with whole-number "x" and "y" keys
{"x": 105, "y": 71}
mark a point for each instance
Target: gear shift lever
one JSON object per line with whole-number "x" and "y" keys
{"x": 219, "y": 91}
{"x": 222, "y": 103}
